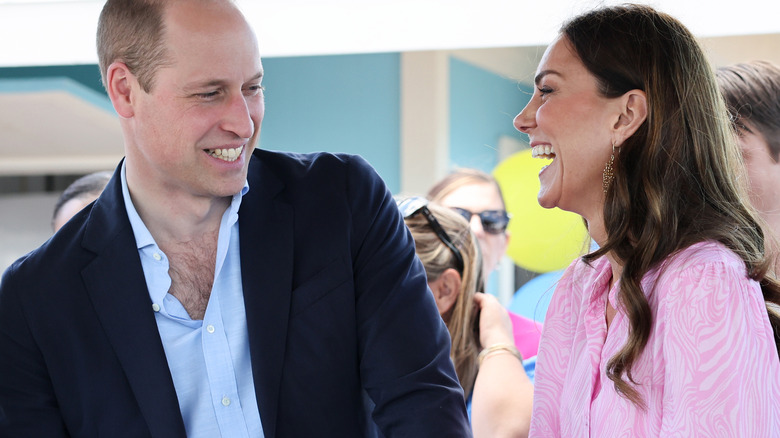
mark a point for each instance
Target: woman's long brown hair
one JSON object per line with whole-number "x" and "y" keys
{"x": 679, "y": 179}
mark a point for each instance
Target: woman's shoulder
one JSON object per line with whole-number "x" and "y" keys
{"x": 704, "y": 253}
{"x": 704, "y": 270}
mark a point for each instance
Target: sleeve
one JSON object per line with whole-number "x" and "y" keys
{"x": 28, "y": 406}
{"x": 403, "y": 343}
{"x": 721, "y": 365}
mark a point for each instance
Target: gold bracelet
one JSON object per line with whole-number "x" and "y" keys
{"x": 509, "y": 348}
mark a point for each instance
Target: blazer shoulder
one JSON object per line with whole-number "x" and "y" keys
{"x": 46, "y": 265}
{"x": 325, "y": 169}
{"x": 304, "y": 162}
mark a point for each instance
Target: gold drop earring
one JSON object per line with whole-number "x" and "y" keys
{"x": 608, "y": 175}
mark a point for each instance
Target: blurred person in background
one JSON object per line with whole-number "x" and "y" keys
{"x": 487, "y": 356}
{"x": 752, "y": 93}
{"x": 477, "y": 197}
{"x": 78, "y": 195}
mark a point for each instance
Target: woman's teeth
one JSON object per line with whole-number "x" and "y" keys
{"x": 545, "y": 151}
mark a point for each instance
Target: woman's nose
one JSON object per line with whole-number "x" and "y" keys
{"x": 526, "y": 119}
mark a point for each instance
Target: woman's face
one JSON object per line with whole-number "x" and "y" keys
{"x": 569, "y": 122}
{"x": 476, "y": 198}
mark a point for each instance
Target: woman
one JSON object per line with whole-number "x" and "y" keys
{"x": 497, "y": 389}
{"x": 477, "y": 197}
{"x": 665, "y": 329}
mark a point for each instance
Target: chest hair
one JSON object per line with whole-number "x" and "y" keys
{"x": 191, "y": 268}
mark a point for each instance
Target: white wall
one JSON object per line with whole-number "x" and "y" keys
{"x": 26, "y": 224}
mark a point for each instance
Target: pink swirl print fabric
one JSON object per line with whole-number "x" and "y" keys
{"x": 710, "y": 368}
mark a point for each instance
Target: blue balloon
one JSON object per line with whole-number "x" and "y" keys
{"x": 533, "y": 298}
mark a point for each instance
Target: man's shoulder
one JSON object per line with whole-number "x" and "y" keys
{"x": 292, "y": 167}
{"x": 50, "y": 263}
{"x": 304, "y": 160}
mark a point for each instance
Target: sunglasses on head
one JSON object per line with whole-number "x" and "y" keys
{"x": 493, "y": 221}
{"x": 411, "y": 206}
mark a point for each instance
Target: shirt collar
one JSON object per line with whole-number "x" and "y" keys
{"x": 143, "y": 237}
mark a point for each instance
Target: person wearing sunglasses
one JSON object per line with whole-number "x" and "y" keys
{"x": 490, "y": 368}
{"x": 477, "y": 197}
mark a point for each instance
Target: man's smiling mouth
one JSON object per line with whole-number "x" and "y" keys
{"x": 226, "y": 154}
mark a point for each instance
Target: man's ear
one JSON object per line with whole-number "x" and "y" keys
{"x": 633, "y": 112}
{"x": 119, "y": 85}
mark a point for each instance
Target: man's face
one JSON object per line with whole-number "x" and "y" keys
{"x": 763, "y": 172}
{"x": 194, "y": 132}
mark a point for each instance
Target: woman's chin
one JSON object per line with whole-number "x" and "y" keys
{"x": 546, "y": 199}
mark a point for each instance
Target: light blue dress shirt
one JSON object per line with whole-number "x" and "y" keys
{"x": 209, "y": 360}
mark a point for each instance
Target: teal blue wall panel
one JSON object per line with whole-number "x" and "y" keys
{"x": 88, "y": 74}
{"x": 482, "y": 107}
{"x": 59, "y": 84}
{"x": 345, "y": 103}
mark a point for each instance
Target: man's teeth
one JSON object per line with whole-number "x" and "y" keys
{"x": 545, "y": 151}
{"x": 226, "y": 154}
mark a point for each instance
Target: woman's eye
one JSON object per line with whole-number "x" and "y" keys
{"x": 544, "y": 90}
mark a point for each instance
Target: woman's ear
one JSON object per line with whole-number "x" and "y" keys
{"x": 119, "y": 85}
{"x": 633, "y": 112}
{"x": 446, "y": 290}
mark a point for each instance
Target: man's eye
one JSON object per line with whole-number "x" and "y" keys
{"x": 255, "y": 89}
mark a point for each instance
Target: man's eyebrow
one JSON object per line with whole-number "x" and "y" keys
{"x": 544, "y": 73}
{"x": 221, "y": 82}
{"x": 256, "y": 77}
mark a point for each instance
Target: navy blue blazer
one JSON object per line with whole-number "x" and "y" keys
{"x": 338, "y": 314}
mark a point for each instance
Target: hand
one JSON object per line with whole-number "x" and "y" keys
{"x": 495, "y": 327}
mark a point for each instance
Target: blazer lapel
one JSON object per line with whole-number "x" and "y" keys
{"x": 116, "y": 285}
{"x": 266, "y": 235}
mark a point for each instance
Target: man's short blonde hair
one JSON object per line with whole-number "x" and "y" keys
{"x": 131, "y": 31}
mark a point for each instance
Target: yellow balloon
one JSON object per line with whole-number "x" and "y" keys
{"x": 542, "y": 240}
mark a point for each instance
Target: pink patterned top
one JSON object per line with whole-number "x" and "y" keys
{"x": 710, "y": 367}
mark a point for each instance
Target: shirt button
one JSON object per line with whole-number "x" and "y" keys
{"x": 156, "y": 307}
{"x": 210, "y": 329}
{"x": 157, "y": 256}
{"x": 225, "y": 401}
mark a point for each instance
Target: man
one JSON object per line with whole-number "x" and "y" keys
{"x": 149, "y": 314}
{"x": 752, "y": 93}
{"x": 78, "y": 195}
